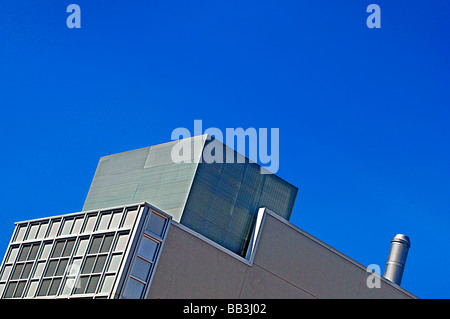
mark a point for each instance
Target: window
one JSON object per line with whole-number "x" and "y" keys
{"x": 33, "y": 231}
{"x": 129, "y": 218}
{"x": 94, "y": 264}
{"x": 115, "y": 221}
{"x": 54, "y": 229}
{"x": 82, "y": 246}
{"x": 147, "y": 248}
{"x": 55, "y": 268}
{"x": 72, "y": 226}
{"x": 112, "y": 220}
{"x": 122, "y": 242}
{"x": 32, "y": 289}
{"x": 67, "y": 227}
{"x": 42, "y": 230}
{"x": 104, "y": 221}
{"x": 107, "y": 284}
{"x": 21, "y": 232}
{"x": 90, "y": 224}
{"x": 6, "y": 272}
{"x": 19, "y": 270}
{"x": 12, "y": 254}
{"x": 156, "y": 224}
{"x": 76, "y": 255}
{"x": 46, "y": 250}
{"x": 77, "y": 225}
{"x": 133, "y": 289}
{"x": 141, "y": 268}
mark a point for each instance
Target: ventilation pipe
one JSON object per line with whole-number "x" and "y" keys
{"x": 397, "y": 258}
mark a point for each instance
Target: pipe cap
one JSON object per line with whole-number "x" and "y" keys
{"x": 400, "y": 238}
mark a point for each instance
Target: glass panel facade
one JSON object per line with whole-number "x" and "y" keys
{"x": 69, "y": 256}
{"x": 84, "y": 255}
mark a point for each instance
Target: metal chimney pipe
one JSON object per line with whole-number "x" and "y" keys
{"x": 397, "y": 258}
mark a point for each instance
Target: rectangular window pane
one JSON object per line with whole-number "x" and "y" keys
{"x": 133, "y": 290}
{"x": 33, "y": 252}
{"x": 46, "y": 251}
{"x": 44, "y": 287}
{"x": 77, "y": 225}
{"x": 68, "y": 223}
{"x": 107, "y": 241}
{"x": 95, "y": 245}
{"x": 33, "y": 231}
{"x": 107, "y": 284}
{"x": 129, "y": 218}
{"x": 81, "y": 286}
{"x": 17, "y": 271}
{"x": 26, "y": 271}
{"x": 99, "y": 264}
{"x": 92, "y": 286}
{"x": 58, "y": 249}
{"x": 6, "y": 272}
{"x": 74, "y": 269}
{"x": 140, "y": 269}
{"x": 122, "y": 242}
{"x": 24, "y": 253}
{"x": 70, "y": 283}
{"x": 21, "y": 232}
{"x": 90, "y": 223}
{"x": 115, "y": 222}
{"x": 61, "y": 267}
{"x": 10, "y": 290}
{"x": 51, "y": 268}
{"x": 54, "y": 287}
{"x": 19, "y": 289}
{"x": 54, "y": 228}
{"x": 39, "y": 269}
{"x": 82, "y": 246}
{"x": 2, "y": 287}
{"x": 114, "y": 263}
{"x": 156, "y": 224}
{"x": 88, "y": 264}
{"x": 147, "y": 248}
{"x": 13, "y": 254}
{"x": 68, "y": 248}
{"x": 42, "y": 230}
{"x": 104, "y": 221}
{"x": 32, "y": 289}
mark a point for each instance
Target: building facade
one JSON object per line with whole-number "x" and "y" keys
{"x": 97, "y": 254}
{"x": 219, "y": 200}
{"x": 198, "y": 230}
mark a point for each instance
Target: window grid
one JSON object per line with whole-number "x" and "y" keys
{"x": 56, "y": 267}
{"x": 38, "y": 269}
{"x": 146, "y": 255}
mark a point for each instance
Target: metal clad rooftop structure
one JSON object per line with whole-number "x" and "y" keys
{"x": 219, "y": 200}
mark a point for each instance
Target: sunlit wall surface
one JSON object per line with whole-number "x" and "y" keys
{"x": 98, "y": 254}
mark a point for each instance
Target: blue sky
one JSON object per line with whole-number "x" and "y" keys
{"x": 363, "y": 113}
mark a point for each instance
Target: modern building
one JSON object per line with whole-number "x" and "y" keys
{"x": 218, "y": 200}
{"x": 152, "y": 228}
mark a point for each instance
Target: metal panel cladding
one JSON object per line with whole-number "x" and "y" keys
{"x": 225, "y": 198}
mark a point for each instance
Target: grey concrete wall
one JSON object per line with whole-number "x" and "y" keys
{"x": 288, "y": 264}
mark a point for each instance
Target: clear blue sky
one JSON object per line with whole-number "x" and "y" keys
{"x": 363, "y": 113}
